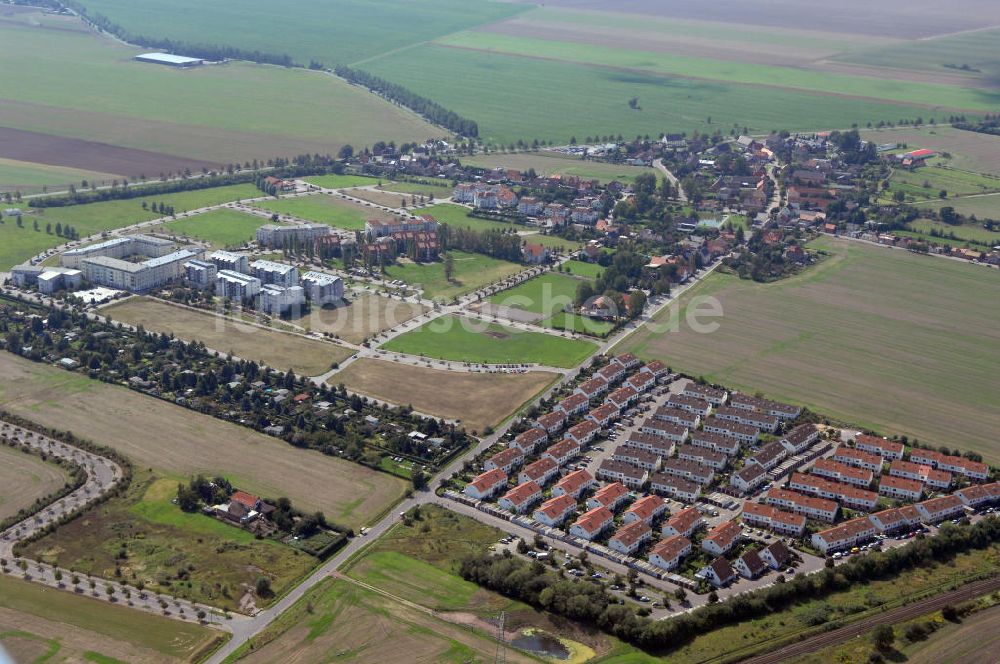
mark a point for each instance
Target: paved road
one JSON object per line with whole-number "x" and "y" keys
{"x": 672, "y": 179}
{"x": 892, "y": 616}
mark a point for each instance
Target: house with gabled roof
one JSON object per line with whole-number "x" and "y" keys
{"x": 677, "y": 487}
{"x": 583, "y": 432}
{"x": 611, "y": 496}
{"x": 505, "y": 460}
{"x": 684, "y": 523}
{"x": 719, "y": 572}
{"x": 722, "y": 538}
{"x": 486, "y": 485}
{"x": 521, "y": 498}
{"x": 668, "y": 553}
{"x": 592, "y": 523}
{"x": 748, "y": 478}
{"x": 540, "y": 471}
{"x": 776, "y": 555}
{"x": 530, "y": 440}
{"x": 750, "y": 565}
{"x": 799, "y": 438}
{"x": 552, "y": 422}
{"x": 887, "y": 449}
{"x": 645, "y": 509}
{"x": 574, "y": 484}
{"x": 555, "y": 510}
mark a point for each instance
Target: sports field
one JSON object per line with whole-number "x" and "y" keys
{"x": 885, "y": 339}
{"x": 148, "y": 538}
{"x": 277, "y": 350}
{"x": 477, "y": 399}
{"x": 472, "y": 271}
{"x": 18, "y": 244}
{"x": 220, "y": 228}
{"x": 69, "y": 84}
{"x": 25, "y": 478}
{"x": 40, "y": 624}
{"x": 554, "y": 163}
{"x": 366, "y": 315}
{"x": 325, "y": 209}
{"x": 471, "y": 340}
{"x": 179, "y": 442}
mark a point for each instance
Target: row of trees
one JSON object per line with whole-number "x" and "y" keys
{"x": 496, "y": 243}
{"x": 428, "y": 108}
{"x": 591, "y": 604}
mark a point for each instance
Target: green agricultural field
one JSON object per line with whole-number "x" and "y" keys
{"x": 341, "y": 181}
{"x": 502, "y": 91}
{"x": 31, "y": 178}
{"x": 76, "y": 84}
{"x": 466, "y": 340}
{"x": 19, "y": 244}
{"x": 325, "y": 209}
{"x": 220, "y": 561}
{"x": 220, "y": 228}
{"x": 554, "y": 163}
{"x": 334, "y": 32}
{"x": 983, "y": 207}
{"x": 971, "y": 232}
{"x": 977, "y": 49}
{"x": 902, "y": 343}
{"x": 472, "y": 271}
{"x": 80, "y": 629}
{"x": 925, "y": 183}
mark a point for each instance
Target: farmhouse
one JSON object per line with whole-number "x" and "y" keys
{"x": 668, "y": 553}
{"x": 506, "y": 460}
{"x": 715, "y": 441}
{"x": 486, "y": 484}
{"x": 814, "y": 508}
{"x": 574, "y": 484}
{"x": 800, "y": 438}
{"x": 592, "y": 523}
{"x": 555, "y": 510}
{"x": 689, "y": 470}
{"x": 630, "y": 537}
{"x": 769, "y": 456}
{"x": 582, "y": 433}
{"x": 690, "y": 404}
{"x": 887, "y": 449}
{"x": 619, "y": 471}
{"x": 684, "y": 523}
{"x": 645, "y": 509}
{"x": 528, "y": 441}
{"x": 521, "y": 497}
{"x": 858, "y": 458}
{"x": 719, "y": 572}
{"x": 848, "y": 534}
{"x": 540, "y": 471}
{"x": 842, "y": 472}
{"x": 610, "y": 496}
{"x": 722, "y": 538}
{"x": 678, "y": 487}
{"x": 932, "y": 477}
{"x": 748, "y": 478}
{"x": 562, "y": 451}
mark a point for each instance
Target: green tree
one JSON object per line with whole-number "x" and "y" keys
{"x": 883, "y": 637}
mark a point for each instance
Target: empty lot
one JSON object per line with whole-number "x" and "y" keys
{"x": 24, "y": 478}
{"x": 883, "y": 338}
{"x": 365, "y": 316}
{"x": 277, "y": 350}
{"x": 181, "y": 443}
{"x": 478, "y": 400}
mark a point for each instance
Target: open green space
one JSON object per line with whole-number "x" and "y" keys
{"x": 579, "y": 324}
{"x": 545, "y": 295}
{"x": 472, "y": 271}
{"x": 142, "y": 537}
{"x": 78, "y": 624}
{"x": 501, "y": 92}
{"x": 470, "y": 340}
{"x": 457, "y": 216}
{"x": 18, "y": 244}
{"x": 983, "y": 207}
{"x": 964, "y": 150}
{"x": 324, "y": 209}
{"x": 925, "y": 183}
{"x": 902, "y": 343}
{"x": 334, "y": 181}
{"x": 583, "y": 269}
{"x": 970, "y": 232}
{"x": 72, "y": 83}
{"x": 554, "y": 163}
{"x": 334, "y": 32}
{"x": 31, "y": 178}
{"x": 436, "y": 188}
{"x": 220, "y": 228}
{"x": 553, "y": 242}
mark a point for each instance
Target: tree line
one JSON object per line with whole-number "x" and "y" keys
{"x": 433, "y": 111}
{"x": 495, "y": 243}
{"x": 591, "y": 604}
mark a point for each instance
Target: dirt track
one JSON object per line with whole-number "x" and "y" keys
{"x": 907, "y": 612}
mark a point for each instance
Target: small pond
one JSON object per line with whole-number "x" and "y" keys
{"x": 539, "y": 643}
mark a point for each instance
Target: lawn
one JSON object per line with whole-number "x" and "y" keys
{"x": 553, "y": 242}
{"x": 339, "y": 620}
{"x": 479, "y": 400}
{"x": 177, "y": 442}
{"x": 579, "y": 324}
{"x": 76, "y": 84}
{"x": 437, "y": 188}
{"x": 365, "y": 316}
{"x": 583, "y": 269}
{"x": 472, "y": 272}
{"x": 554, "y": 163}
{"x": 25, "y": 478}
{"x": 277, "y": 350}
{"x": 75, "y": 627}
{"x": 502, "y": 91}
{"x": 220, "y": 228}
{"x": 325, "y": 209}
{"x": 457, "y": 216}
{"x": 19, "y": 244}
{"x": 544, "y": 295}
{"x": 885, "y": 339}
{"x": 462, "y": 339}
{"x": 146, "y": 538}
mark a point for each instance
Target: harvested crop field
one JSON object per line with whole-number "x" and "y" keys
{"x": 278, "y": 350}
{"x": 902, "y": 343}
{"x": 36, "y": 621}
{"x": 25, "y": 478}
{"x": 477, "y": 399}
{"x": 363, "y": 317}
{"x": 969, "y": 150}
{"x": 339, "y": 616}
{"x": 180, "y": 442}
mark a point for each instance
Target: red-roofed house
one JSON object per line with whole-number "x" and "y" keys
{"x": 610, "y": 496}
{"x": 722, "y": 538}
{"x": 506, "y": 460}
{"x": 623, "y": 397}
{"x": 592, "y": 387}
{"x": 486, "y": 484}
{"x": 540, "y": 471}
{"x": 685, "y": 522}
{"x": 887, "y": 449}
{"x": 900, "y": 487}
{"x": 562, "y": 451}
{"x": 844, "y": 536}
{"x": 719, "y": 572}
{"x": 555, "y": 510}
{"x": 939, "y": 509}
{"x": 574, "y": 484}
{"x": 592, "y": 523}
{"x": 630, "y": 537}
{"x": 603, "y": 415}
{"x": 521, "y": 497}
{"x": 529, "y": 440}
{"x": 552, "y": 422}
{"x": 582, "y": 433}
{"x": 668, "y": 553}
{"x": 573, "y": 404}
{"x": 645, "y": 509}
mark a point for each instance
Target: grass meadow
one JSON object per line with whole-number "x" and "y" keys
{"x": 325, "y": 209}
{"x": 19, "y": 244}
{"x": 971, "y": 232}
{"x": 176, "y": 442}
{"x": 983, "y": 207}
{"x": 479, "y": 400}
{"x": 220, "y": 228}
{"x": 36, "y": 624}
{"x": 902, "y": 343}
{"x": 466, "y": 340}
{"x": 925, "y": 183}
{"x": 472, "y": 271}
{"x": 553, "y": 163}
{"x": 457, "y": 216}
{"x": 148, "y": 538}
{"x": 335, "y": 181}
